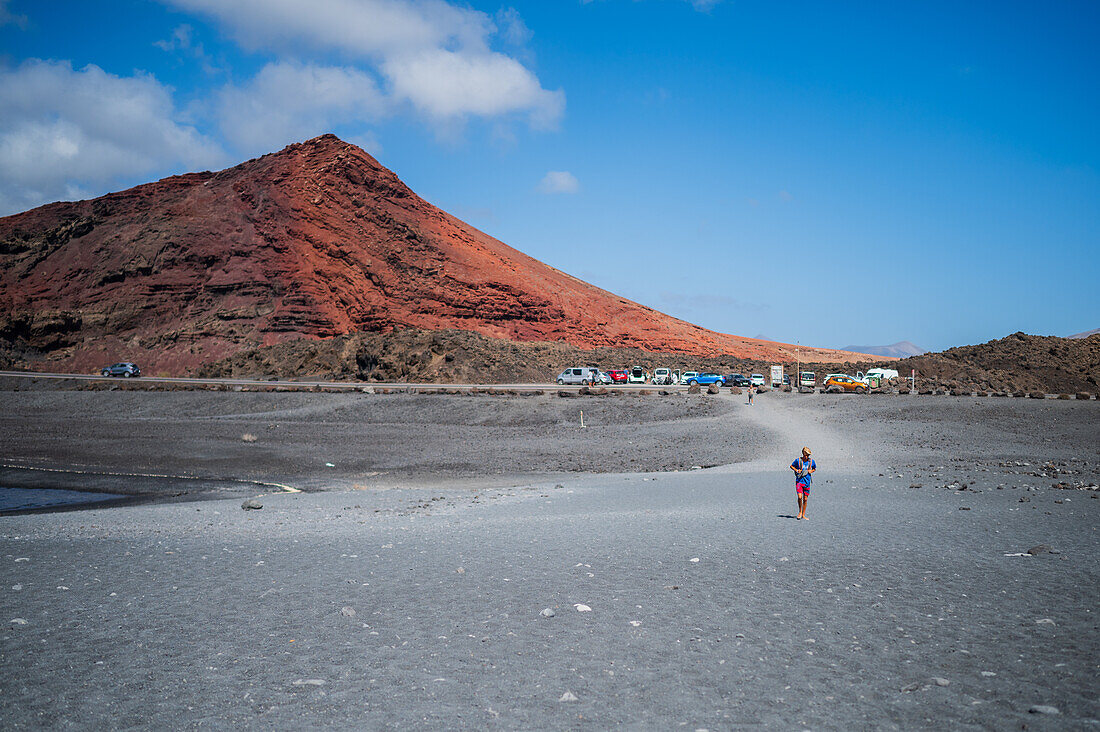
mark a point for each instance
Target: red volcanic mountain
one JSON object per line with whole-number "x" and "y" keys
{"x": 314, "y": 241}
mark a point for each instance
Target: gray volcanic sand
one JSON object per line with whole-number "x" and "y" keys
{"x": 374, "y": 439}
{"x": 420, "y": 607}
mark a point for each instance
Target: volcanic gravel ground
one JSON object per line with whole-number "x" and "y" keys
{"x": 326, "y": 440}
{"x": 711, "y": 607}
{"x": 939, "y": 440}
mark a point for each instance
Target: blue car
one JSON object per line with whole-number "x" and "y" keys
{"x": 125, "y": 369}
{"x": 707, "y": 378}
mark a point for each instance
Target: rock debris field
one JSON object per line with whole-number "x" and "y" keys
{"x": 484, "y": 562}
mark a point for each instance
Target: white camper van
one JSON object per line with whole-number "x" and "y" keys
{"x": 662, "y": 376}
{"x": 880, "y": 374}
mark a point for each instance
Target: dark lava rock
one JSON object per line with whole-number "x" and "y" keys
{"x": 1041, "y": 549}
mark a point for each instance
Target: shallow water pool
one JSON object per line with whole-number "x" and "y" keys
{"x": 27, "y": 499}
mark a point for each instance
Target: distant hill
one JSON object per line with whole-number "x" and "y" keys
{"x": 901, "y": 349}
{"x": 1086, "y": 334}
{"x": 1016, "y": 363}
{"x": 316, "y": 241}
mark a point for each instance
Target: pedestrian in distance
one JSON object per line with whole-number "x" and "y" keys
{"x": 803, "y": 468}
{"x": 752, "y": 390}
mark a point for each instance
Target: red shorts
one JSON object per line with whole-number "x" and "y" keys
{"x": 802, "y": 489}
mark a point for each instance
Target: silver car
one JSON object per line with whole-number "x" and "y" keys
{"x": 583, "y": 375}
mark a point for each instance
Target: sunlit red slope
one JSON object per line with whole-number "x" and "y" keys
{"x": 316, "y": 240}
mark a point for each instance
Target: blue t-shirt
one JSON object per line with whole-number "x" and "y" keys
{"x": 800, "y": 465}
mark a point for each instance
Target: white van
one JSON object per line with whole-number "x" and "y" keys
{"x": 582, "y": 375}
{"x": 807, "y": 378}
{"x": 880, "y": 374}
{"x": 662, "y": 376}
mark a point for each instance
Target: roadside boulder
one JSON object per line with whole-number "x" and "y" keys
{"x": 567, "y": 394}
{"x": 735, "y": 390}
{"x": 1084, "y": 395}
{"x": 694, "y": 389}
{"x": 251, "y": 504}
{"x": 714, "y": 389}
{"x": 1037, "y": 395}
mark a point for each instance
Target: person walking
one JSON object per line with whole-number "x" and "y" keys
{"x": 752, "y": 390}
{"x": 803, "y": 468}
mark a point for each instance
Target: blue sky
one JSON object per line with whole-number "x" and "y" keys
{"x": 827, "y": 173}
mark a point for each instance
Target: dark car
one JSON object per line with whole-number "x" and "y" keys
{"x": 125, "y": 368}
{"x": 736, "y": 380}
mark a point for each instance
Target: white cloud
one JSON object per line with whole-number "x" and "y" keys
{"x": 180, "y": 39}
{"x": 445, "y": 84}
{"x": 512, "y": 28}
{"x": 431, "y": 54}
{"x": 703, "y": 6}
{"x": 6, "y": 16}
{"x": 289, "y": 102}
{"x": 181, "y": 42}
{"x": 559, "y": 181}
{"x": 375, "y": 28}
{"x": 66, "y": 133}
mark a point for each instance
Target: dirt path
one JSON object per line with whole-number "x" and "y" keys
{"x": 790, "y": 427}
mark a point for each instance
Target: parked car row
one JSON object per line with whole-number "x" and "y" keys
{"x": 590, "y": 376}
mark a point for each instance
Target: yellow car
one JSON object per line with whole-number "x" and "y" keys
{"x": 847, "y": 383}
